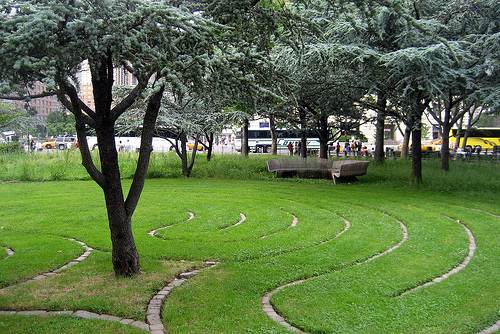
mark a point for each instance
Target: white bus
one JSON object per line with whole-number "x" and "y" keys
{"x": 259, "y": 139}
{"x": 133, "y": 144}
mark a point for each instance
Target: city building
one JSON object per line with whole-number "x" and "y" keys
{"x": 121, "y": 77}
{"x": 43, "y": 106}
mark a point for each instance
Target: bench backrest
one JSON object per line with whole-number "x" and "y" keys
{"x": 353, "y": 168}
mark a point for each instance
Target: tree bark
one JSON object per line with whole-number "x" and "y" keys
{"x": 445, "y": 148}
{"x": 379, "y": 153}
{"x": 406, "y": 143}
{"x": 210, "y": 145}
{"x": 466, "y": 133}
{"x": 416, "y": 150}
{"x": 323, "y": 137}
{"x": 274, "y": 135}
{"x": 416, "y": 136}
{"x": 245, "y": 150}
{"x": 457, "y": 136}
{"x": 183, "y": 151}
{"x": 124, "y": 253}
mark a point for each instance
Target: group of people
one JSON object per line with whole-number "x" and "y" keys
{"x": 353, "y": 148}
{"x": 294, "y": 149}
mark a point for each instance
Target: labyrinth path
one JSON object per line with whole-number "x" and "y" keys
{"x": 329, "y": 261}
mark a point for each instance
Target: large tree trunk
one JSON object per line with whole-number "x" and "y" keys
{"x": 467, "y": 131}
{"x": 380, "y": 126}
{"x": 244, "y": 138}
{"x": 406, "y": 143}
{"x": 416, "y": 138}
{"x": 303, "y": 132}
{"x": 274, "y": 135}
{"x": 323, "y": 137}
{"x": 416, "y": 150}
{"x": 124, "y": 253}
{"x": 184, "y": 155}
{"x": 210, "y": 145}
{"x": 445, "y": 148}
{"x": 457, "y": 136}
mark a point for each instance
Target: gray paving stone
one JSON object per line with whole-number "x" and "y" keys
{"x": 126, "y": 321}
{"x": 61, "y": 312}
{"x": 109, "y": 317}
{"x": 157, "y": 327}
{"x": 153, "y": 319}
{"x": 140, "y": 324}
{"x": 86, "y": 314}
{"x": 37, "y": 312}
{"x": 157, "y": 331}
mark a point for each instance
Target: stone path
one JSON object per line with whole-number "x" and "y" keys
{"x": 80, "y": 314}
{"x": 153, "y": 313}
{"x": 266, "y": 300}
{"x": 86, "y": 253}
{"x": 492, "y": 329}
{"x": 153, "y": 322}
{"x": 454, "y": 270}
{"x": 9, "y": 251}
{"x": 153, "y": 233}
{"x": 295, "y": 222}
{"x": 239, "y": 222}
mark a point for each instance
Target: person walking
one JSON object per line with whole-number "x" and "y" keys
{"x": 337, "y": 149}
{"x": 290, "y": 148}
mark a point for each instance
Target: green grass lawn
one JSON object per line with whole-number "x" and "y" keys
{"x": 263, "y": 253}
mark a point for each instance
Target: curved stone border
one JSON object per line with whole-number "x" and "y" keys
{"x": 492, "y": 329}
{"x": 9, "y": 251}
{"x": 454, "y": 270}
{"x": 88, "y": 251}
{"x": 154, "y": 232}
{"x": 347, "y": 226}
{"x": 153, "y": 313}
{"x": 243, "y": 218}
{"x": 153, "y": 322}
{"x": 81, "y": 314}
{"x": 294, "y": 223}
{"x": 266, "y": 300}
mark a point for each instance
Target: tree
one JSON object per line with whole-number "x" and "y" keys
{"x": 60, "y": 122}
{"x": 48, "y": 41}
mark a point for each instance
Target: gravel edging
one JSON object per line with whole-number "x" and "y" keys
{"x": 154, "y": 232}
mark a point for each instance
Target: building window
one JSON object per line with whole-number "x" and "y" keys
{"x": 389, "y": 132}
{"x": 435, "y": 132}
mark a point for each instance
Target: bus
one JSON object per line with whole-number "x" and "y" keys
{"x": 484, "y": 138}
{"x": 259, "y": 140}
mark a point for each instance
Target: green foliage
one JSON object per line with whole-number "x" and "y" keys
{"x": 59, "y": 123}
{"x": 9, "y": 148}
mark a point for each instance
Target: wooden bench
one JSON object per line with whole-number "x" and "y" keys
{"x": 336, "y": 170}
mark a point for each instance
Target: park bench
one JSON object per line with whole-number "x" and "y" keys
{"x": 336, "y": 170}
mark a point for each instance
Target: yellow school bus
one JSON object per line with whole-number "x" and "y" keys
{"x": 485, "y": 138}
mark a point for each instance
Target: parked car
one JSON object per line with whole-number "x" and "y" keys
{"x": 49, "y": 144}
{"x": 65, "y": 142}
{"x": 190, "y": 146}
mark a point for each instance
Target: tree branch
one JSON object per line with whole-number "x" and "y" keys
{"x": 87, "y": 161}
{"x": 124, "y": 104}
{"x": 148, "y": 129}
{"x": 27, "y": 97}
